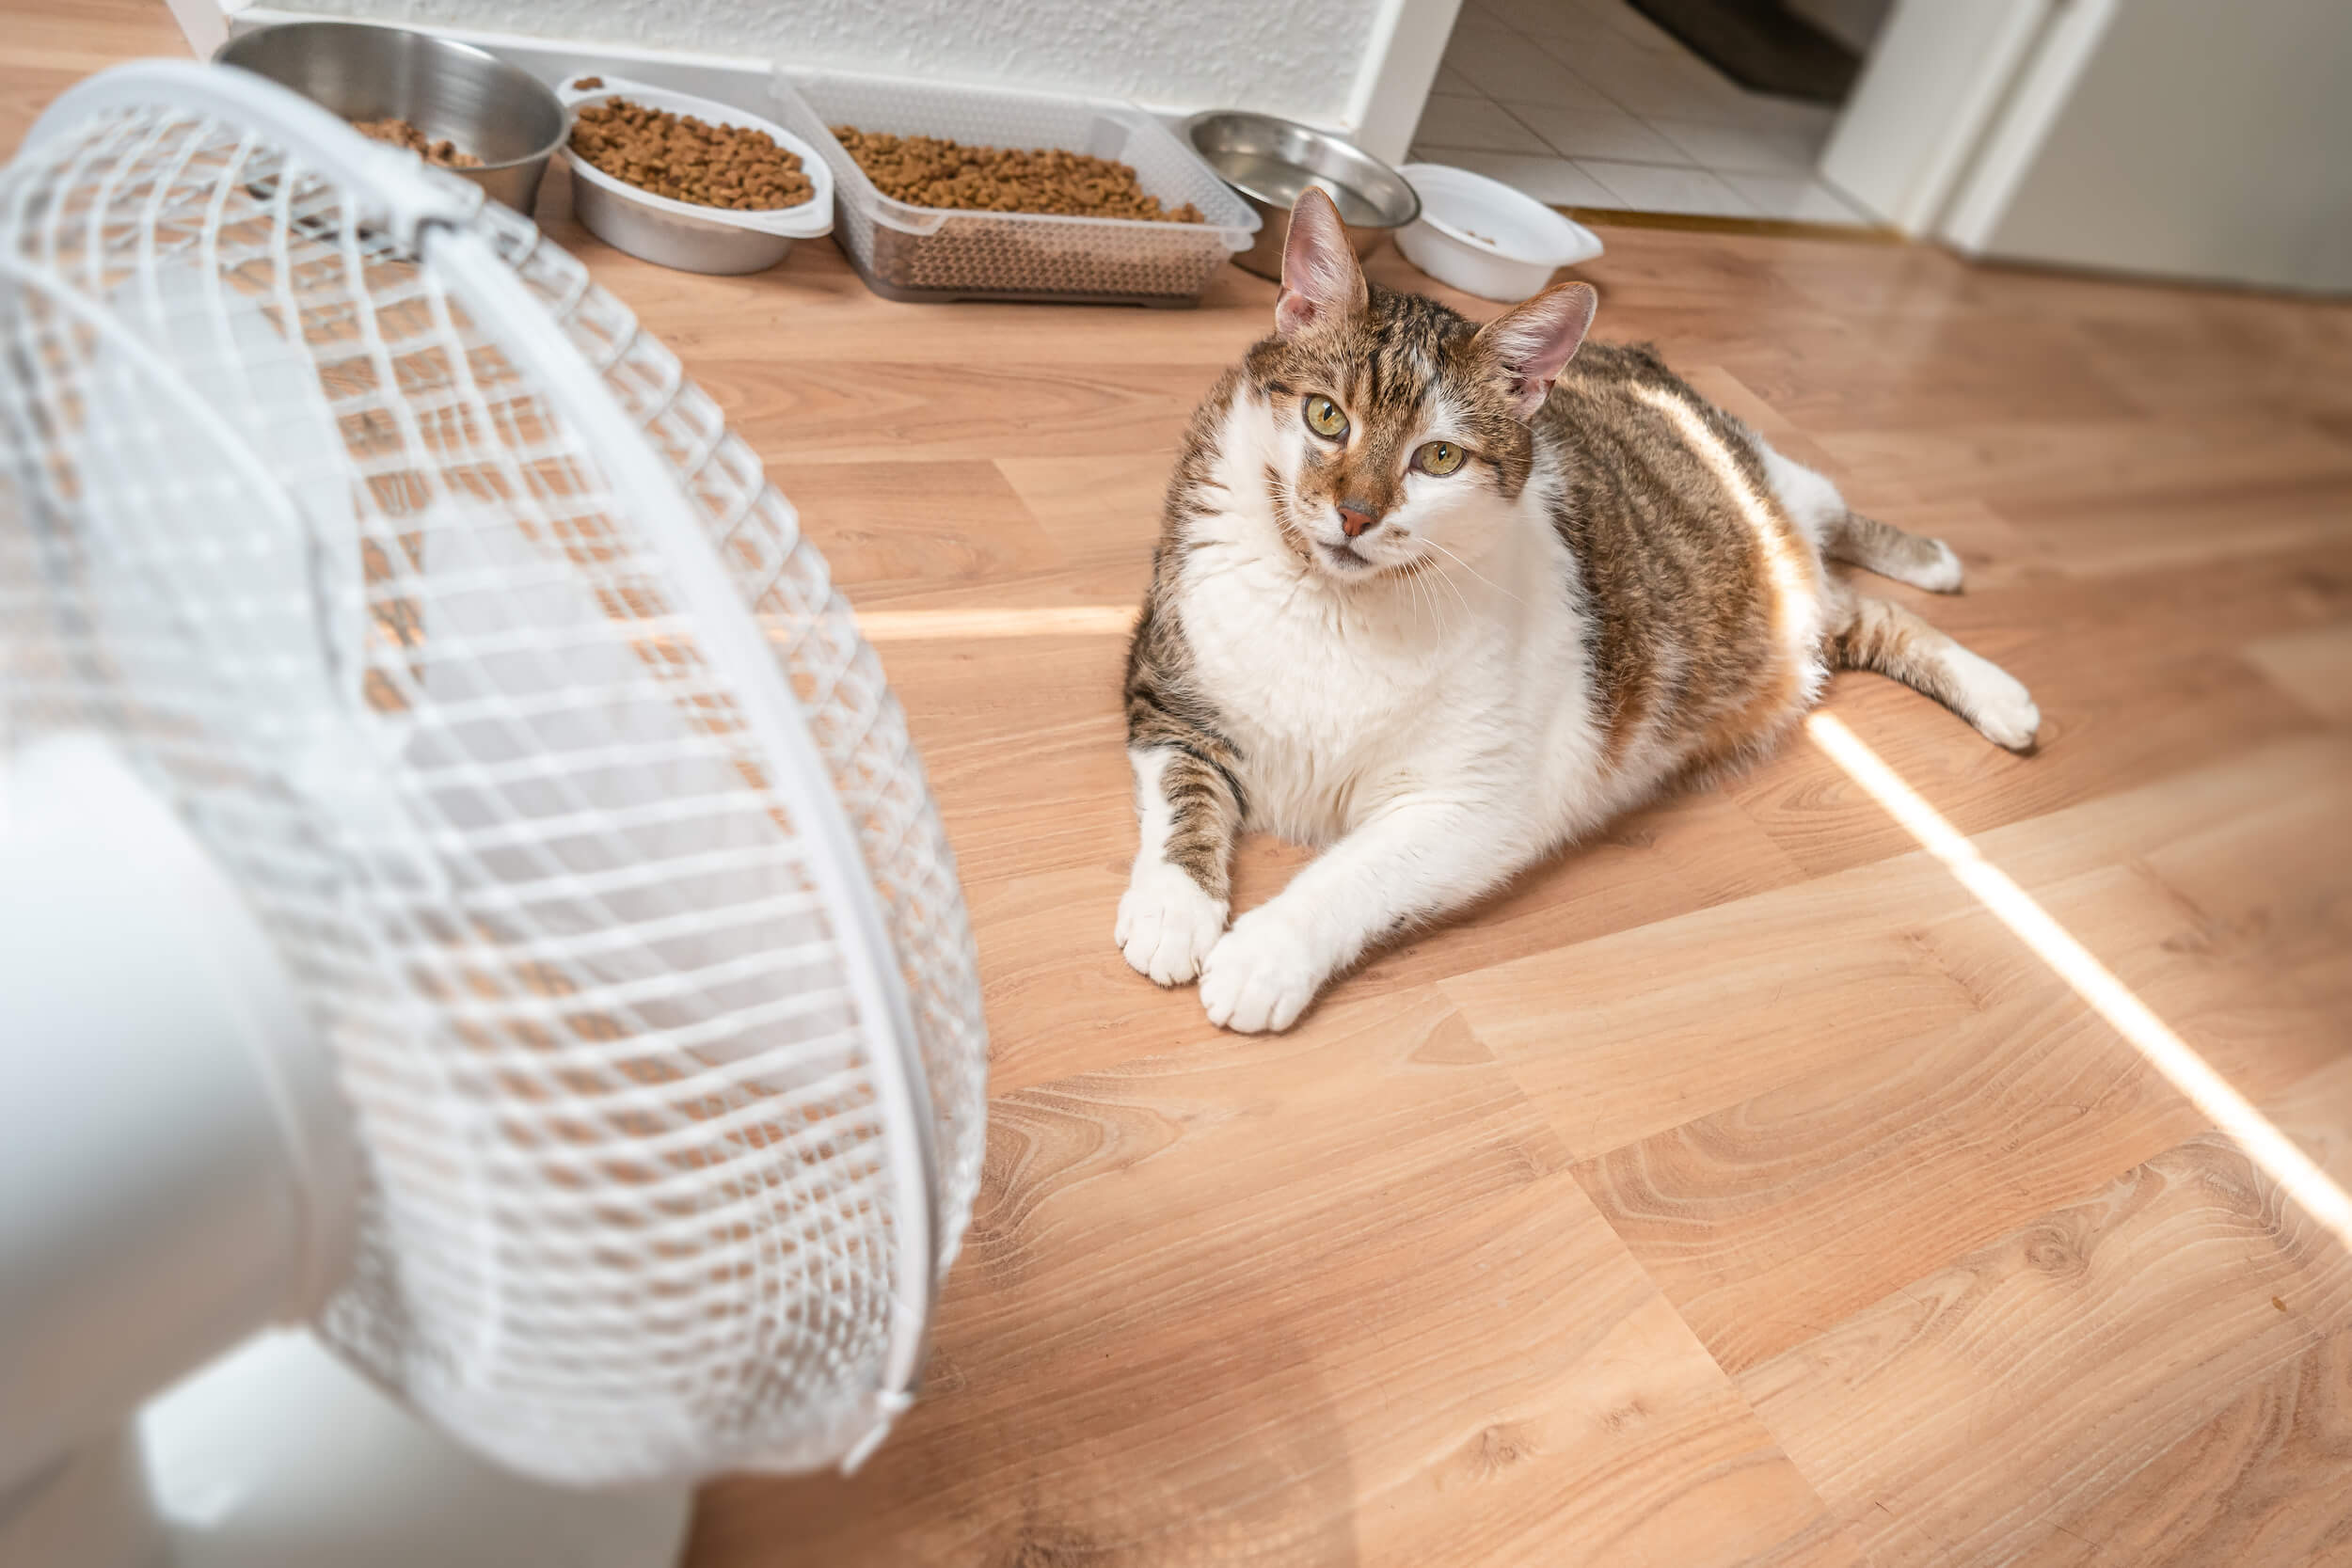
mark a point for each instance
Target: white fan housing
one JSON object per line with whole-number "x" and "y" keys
{"x": 469, "y": 886}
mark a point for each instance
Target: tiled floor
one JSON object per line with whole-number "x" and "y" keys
{"x": 1588, "y": 104}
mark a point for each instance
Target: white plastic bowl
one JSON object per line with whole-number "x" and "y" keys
{"x": 1483, "y": 238}
{"x": 685, "y": 235}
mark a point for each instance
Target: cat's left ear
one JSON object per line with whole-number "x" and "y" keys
{"x": 1531, "y": 343}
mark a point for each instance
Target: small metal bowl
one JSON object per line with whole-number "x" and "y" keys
{"x": 453, "y": 93}
{"x": 1271, "y": 161}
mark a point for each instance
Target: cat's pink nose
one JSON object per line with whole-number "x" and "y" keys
{"x": 1355, "y": 519}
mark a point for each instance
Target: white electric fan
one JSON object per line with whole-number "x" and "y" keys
{"x": 465, "y": 887}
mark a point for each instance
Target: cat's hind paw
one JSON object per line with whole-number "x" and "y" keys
{"x": 1168, "y": 923}
{"x": 1945, "y": 573}
{"x": 1995, "y": 702}
{"x": 1261, "y": 977}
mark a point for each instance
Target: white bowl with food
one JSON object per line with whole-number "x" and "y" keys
{"x": 1483, "y": 238}
{"x": 690, "y": 235}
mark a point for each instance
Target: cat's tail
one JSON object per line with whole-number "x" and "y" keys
{"x": 1883, "y": 549}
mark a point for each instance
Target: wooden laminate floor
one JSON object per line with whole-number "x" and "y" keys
{"x": 1741, "y": 1189}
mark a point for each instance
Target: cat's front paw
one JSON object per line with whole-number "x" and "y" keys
{"x": 1166, "y": 923}
{"x": 1261, "y": 977}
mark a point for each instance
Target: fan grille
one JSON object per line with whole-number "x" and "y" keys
{"x": 336, "y": 572}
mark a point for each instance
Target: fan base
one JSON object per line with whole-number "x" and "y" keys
{"x": 278, "y": 1456}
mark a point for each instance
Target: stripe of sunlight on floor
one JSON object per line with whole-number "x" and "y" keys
{"x": 918, "y": 626}
{"x": 2264, "y": 1143}
{"x": 2049, "y": 941}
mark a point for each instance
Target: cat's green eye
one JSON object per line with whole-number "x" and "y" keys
{"x": 1437, "y": 457}
{"x": 1325, "y": 419}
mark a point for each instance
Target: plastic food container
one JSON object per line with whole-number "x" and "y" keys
{"x": 685, "y": 235}
{"x": 1486, "y": 239}
{"x": 930, "y": 253}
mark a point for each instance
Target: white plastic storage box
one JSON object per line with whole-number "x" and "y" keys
{"x": 929, "y": 253}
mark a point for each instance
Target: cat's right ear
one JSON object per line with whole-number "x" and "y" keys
{"x": 1321, "y": 281}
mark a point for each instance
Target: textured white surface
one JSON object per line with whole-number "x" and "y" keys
{"x": 2187, "y": 141}
{"x": 1299, "y": 60}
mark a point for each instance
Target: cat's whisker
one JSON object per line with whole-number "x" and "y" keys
{"x": 1451, "y": 587}
{"x": 1409, "y": 580}
{"x": 1436, "y": 610}
{"x": 1437, "y": 574}
{"x": 1473, "y": 571}
{"x": 1414, "y": 579}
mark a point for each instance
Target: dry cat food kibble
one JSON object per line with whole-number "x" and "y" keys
{"x": 927, "y": 171}
{"x": 687, "y": 159}
{"x": 400, "y": 134}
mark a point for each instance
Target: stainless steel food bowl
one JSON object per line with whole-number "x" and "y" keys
{"x": 1270, "y": 160}
{"x": 503, "y": 116}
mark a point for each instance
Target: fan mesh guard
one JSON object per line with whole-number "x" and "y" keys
{"x": 336, "y": 570}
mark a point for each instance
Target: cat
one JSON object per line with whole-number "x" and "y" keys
{"x": 1445, "y": 598}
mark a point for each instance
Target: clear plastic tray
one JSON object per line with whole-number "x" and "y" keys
{"x": 929, "y": 253}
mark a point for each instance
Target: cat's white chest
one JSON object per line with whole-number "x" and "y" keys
{"x": 1317, "y": 714}
{"x": 1283, "y": 658}
{"x": 1337, "y": 702}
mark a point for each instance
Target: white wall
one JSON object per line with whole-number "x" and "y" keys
{"x": 1301, "y": 59}
{"x": 1935, "y": 83}
{"x": 1399, "y": 69}
{"x": 2193, "y": 138}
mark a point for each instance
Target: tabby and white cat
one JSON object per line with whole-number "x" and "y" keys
{"x": 1439, "y": 598}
